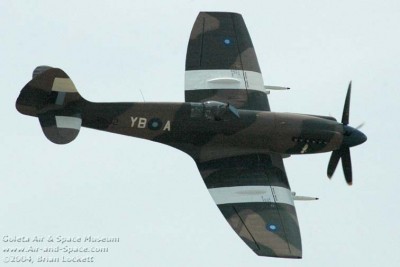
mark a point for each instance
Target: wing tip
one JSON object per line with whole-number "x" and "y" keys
{"x": 264, "y": 253}
{"x": 219, "y": 12}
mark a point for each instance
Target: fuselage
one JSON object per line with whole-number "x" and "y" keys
{"x": 192, "y": 128}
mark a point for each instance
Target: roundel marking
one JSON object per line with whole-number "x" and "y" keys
{"x": 154, "y": 124}
{"x": 272, "y": 227}
{"x": 228, "y": 41}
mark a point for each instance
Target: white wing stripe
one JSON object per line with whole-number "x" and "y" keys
{"x": 246, "y": 194}
{"x": 223, "y": 79}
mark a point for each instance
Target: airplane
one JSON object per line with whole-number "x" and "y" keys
{"x": 225, "y": 124}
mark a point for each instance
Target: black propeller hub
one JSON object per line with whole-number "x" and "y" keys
{"x": 352, "y": 137}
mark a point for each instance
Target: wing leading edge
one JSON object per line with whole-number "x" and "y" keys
{"x": 253, "y": 194}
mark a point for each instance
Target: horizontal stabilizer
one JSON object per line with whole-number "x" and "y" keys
{"x": 60, "y": 129}
{"x": 52, "y": 97}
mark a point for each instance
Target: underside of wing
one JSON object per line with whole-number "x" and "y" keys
{"x": 221, "y": 63}
{"x": 253, "y": 194}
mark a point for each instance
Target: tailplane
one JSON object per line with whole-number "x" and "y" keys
{"x": 52, "y": 97}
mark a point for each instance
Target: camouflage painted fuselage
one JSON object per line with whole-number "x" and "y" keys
{"x": 187, "y": 127}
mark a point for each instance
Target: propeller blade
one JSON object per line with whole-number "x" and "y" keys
{"x": 346, "y": 163}
{"x": 333, "y": 162}
{"x": 360, "y": 126}
{"x": 346, "y": 109}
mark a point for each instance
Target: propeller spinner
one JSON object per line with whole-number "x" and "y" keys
{"x": 351, "y": 137}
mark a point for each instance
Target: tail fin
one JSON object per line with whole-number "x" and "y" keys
{"x": 52, "y": 97}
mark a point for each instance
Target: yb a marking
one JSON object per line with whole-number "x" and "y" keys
{"x": 152, "y": 124}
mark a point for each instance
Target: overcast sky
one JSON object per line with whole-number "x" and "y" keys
{"x": 151, "y": 196}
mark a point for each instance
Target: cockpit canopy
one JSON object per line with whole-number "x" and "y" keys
{"x": 214, "y": 110}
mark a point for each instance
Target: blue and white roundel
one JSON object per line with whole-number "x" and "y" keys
{"x": 272, "y": 227}
{"x": 154, "y": 124}
{"x": 228, "y": 41}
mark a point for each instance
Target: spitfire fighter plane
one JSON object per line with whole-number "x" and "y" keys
{"x": 225, "y": 125}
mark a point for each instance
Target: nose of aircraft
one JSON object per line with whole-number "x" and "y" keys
{"x": 353, "y": 137}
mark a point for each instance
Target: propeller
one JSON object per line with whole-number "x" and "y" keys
{"x": 360, "y": 126}
{"x": 351, "y": 137}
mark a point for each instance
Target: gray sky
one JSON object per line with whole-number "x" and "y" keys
{"x": 151, "y": 196}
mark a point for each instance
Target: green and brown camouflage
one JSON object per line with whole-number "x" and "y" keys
{"x": 206, "y": 131}
{"x": 225, "y": 125}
